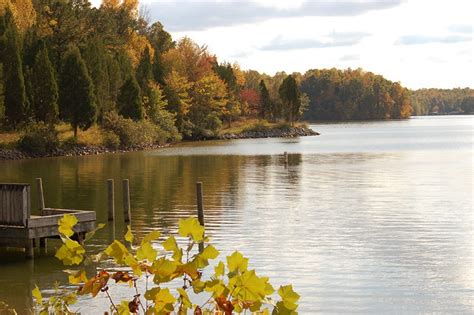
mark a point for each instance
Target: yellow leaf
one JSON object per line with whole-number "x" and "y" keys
{"x": 164, "y": 301}
{"x": 191, "y": 227}
{"x": 237, "y": 262}
{"x": 118, "y": 251}
{"x": 76, "y": 276}
{"x": 66, "y": 223}
{"x": 289, "y": 297}
{"x": 37, "y": 295}
{"x": 248, "y": 286}
{"x": 183, "y": 295}
{"x": 164, "y": 270}
{"x": 219, "y": 270}
{"x": 122, "y": 308}
{"x": 71, "y": 252}
{"x": 146, "y": 251}
{"x": 171, "y": 245}
{"x": 129, "y": 235}
{"x": 151, "y": 236}
{"x": 210, "y": 252}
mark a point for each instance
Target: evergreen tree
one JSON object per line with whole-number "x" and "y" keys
{"x": 95, "y": 56}
{"x": 16, "y": 102}
{"x": 129, "y": 100}
{"x": 144, "y": 71}
{"x": 265, "y": 101}
{"x": 291, "y": 98}
{"x": 76, "y": 92}
{"x": 44, "y": 88}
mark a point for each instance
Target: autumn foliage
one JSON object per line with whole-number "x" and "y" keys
{"x": 228, "y": 287}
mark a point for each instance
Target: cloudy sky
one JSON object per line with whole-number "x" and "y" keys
{"x": 419, "y": 43}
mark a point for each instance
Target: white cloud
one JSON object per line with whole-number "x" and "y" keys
{"x": 421, "y": 43}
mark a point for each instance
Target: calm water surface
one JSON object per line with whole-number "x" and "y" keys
{"x": 368, "y": 218}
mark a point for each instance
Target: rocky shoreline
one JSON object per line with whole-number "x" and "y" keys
{"x": 81, "y": 150}
{"x": 285, "y": 132}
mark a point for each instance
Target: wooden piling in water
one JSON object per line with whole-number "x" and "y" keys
{"x": 126, "y": 201}
{"x": 110, "y": 199}
{"x": 39, "y": 186}
{"x": 200, "y": 209}
{"x": 286, "y": 158}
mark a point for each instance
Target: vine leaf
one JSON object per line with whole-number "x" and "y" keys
{"x": 129, "y": 235}
{"x": 37, "y": 295}
{"x": 191, "y": 227}
{"x": 237, "y": 262}
{"x": 66, "y": 223}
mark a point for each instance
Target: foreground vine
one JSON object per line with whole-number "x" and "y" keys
{"x": 231, "y": 288}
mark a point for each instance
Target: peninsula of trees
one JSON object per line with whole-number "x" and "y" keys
{"x": 64, "y": 61}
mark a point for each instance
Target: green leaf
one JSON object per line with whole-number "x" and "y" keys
{"x": 237, "y": 262}
{"x": 66, "y": 223}
{"x": 191, "y": 227}
{"x": 129, "y": 234}
{"x": 37, "y": 295}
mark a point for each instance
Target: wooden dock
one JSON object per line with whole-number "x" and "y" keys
{"x": 18, "y": 228}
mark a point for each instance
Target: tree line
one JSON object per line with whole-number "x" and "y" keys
{"x": 64, "y": 60}
{"x": 443, "y": 101}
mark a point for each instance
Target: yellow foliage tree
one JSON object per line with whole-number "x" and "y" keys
{"x": 23, "y": 12}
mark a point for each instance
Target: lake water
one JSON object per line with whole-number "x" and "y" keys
{"x": 369, "y": 217}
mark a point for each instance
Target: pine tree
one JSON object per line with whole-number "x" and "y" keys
{"x": 265, "y": 101}
{"x": 76, "y": 92}
{"x": 144, "y": 71}
{"x": 16, "y": 102}
{"x": 44, "y": 88}
{"x": 291, "y": 98}
{"x": 129, "y": 100}
{"x": 95, "y": 56}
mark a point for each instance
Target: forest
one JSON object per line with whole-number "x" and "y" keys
{"x": 443, "y": 101}
{"x": 65, "y": 61}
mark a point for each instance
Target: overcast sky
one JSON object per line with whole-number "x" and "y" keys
{"x": 419, "y": 43}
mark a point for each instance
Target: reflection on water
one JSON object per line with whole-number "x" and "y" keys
{"x": 367, "y": 217}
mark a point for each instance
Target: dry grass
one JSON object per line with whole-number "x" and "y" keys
{"x": 8, "y": 139}
{"x": 92, "y": 136}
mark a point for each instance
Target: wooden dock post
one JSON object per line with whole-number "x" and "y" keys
{"x": 127, "y": 215}
{"x": 286, "y": 158}
{"x": 110, "y": 199}
{"x": 29, "y": 249}
{"x": 200, "y": 209}
{"x": 39, "y": 186}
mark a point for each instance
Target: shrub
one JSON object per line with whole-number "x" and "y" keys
{"x": 134, "y": 133}
{"x": 39, "y": 139}
{"x": 232, "y": 288}
{"x": 69, "y": 143}
{"x": 111, "y": 140}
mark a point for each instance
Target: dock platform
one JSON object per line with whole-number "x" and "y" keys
{"x": 18, "y": 228}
